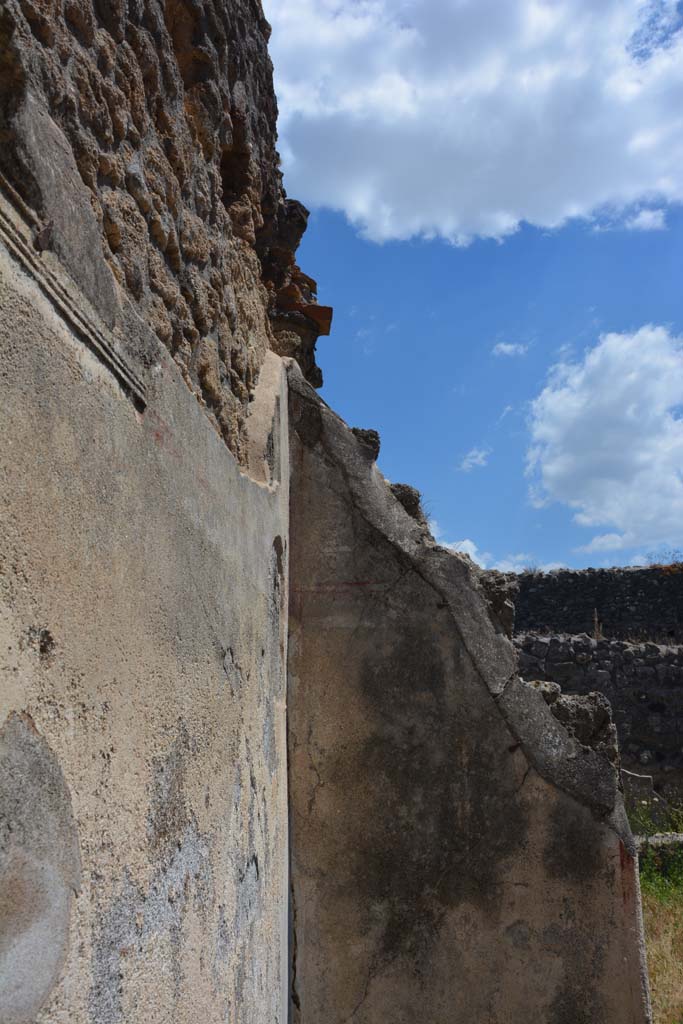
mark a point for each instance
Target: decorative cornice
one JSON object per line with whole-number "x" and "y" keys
{"x": 18, "y": 228}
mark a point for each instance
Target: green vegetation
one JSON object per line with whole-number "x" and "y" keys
{"x": 668, "y": 819}
{"x": 661, "y": 879}
{"x": 661, "y": 873}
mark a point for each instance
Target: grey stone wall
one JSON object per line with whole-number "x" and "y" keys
{"x": 643, "y": 682}
{"x": 631, "y": 604}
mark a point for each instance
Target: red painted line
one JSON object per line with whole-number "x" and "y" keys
{"x": 323, "y": 588}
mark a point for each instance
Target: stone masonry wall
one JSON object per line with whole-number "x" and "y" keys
{"x": 141, "y": 139}
{"x": 643, "y": 682}
{"x": 635, "y": 604}
{"x": 636, "y": 660}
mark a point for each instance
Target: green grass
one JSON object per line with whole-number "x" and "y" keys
{"x": 661, "y": 880}
{"x": 642, "y": 823}
{"x": 661, "y": 873}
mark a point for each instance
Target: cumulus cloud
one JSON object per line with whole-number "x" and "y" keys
{"x": 646, "y": 220}
{"x": 475, "y": 457}
{"x": 465, "y": 547}
{"x": 506, "y": 348}
{"x": 510, "y": 563}
{"x": 463, "y": 118}
{"x": 604, "y": 542}
{"x": 607, "y": 439}
{"x": 468, "y": 547}
{"x": 638, "y": 560}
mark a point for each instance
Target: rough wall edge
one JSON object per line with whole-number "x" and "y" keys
{"x": 582, "y": 773}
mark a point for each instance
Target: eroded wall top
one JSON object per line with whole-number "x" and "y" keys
{"x": 141, "y": 137}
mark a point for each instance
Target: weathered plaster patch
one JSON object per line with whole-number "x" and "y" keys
{"x": 137, "y": 920}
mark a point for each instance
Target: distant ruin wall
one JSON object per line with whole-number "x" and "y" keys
{"x": 643, "y": 682}
{"x": 631, "y": 604}
{"x": 636, "y": 660}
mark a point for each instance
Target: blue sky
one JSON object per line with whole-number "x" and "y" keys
{"x": 497, "y": 223}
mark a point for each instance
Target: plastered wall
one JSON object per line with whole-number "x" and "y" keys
{"x": 143, "y": 632}
{"x": 460, "y": 852}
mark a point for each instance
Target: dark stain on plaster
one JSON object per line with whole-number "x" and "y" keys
{"x": 437, "y": 840}
{"x": 273, "y": 445}
{"x": 519, "y": 934}
{"x": 308, "y": 421}
{"x": 234, "y": 673}
{"x": 279, "y": 549}
{"x": 276, "y": 573}
{"x": 181, "y": 878}
{"x": 168, "y": 815}
{"x": 577, "y": 1002}
{"x": 268, "y": 733}
{"x": 574, "y": 848}
{"x": 574, "y": 852}
{"x": 41, "y": 640}
{"x": 239, "y": 930}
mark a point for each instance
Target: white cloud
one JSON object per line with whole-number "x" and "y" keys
{"x": 647, "y": 220}
{"x": 607, "y": 439}
{"x": 638, "y": 560}
{"x": 604, "y": 542}
{"x": 474, "y": 457}
{"x": 462, "y": 118}
{"x": 524, "y": 562}
{"x": 468, "y": 547}
{"x": 513, "y": 563}
{"x": 465, "y": 547}
{"x": 510, "y": 563}
{"x": 505, "y": 348}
